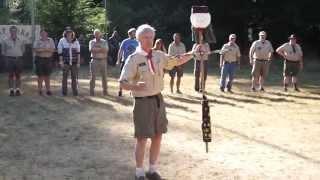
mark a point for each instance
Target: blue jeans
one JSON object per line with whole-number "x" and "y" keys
{"x": 227, "y": 70}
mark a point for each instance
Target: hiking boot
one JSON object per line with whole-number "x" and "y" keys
{"x": 153, "y": 176}
{"x": 11, "y": 93}
{"x": 18, "y": 93}
{"x": 49, "y": 93}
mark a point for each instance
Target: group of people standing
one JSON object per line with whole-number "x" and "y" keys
{"x": 143, "y": 65}
{"x": 260, "y": 55}
{"x": 68, "y": 50}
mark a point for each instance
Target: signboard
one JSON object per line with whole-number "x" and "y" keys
{"x": 24, "y": 32}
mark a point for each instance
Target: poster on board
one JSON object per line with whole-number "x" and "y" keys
{"x": 24, "y": 32}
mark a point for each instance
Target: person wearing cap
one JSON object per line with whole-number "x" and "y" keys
{"x": 142, "y": 74}
{"x": 99, "y": 52}
{"x": 260, "y": 56}
{"x": 229, "y": 59}
{"x": 44, "y": 49}
{"x": 13, "y": 49}
{"x": 293, "y": 61}
{"x": 175, "y": 48}
{"x": 69, "y": 60}
{"x": 204, "y": 55}
{"x": 127, "y": 47}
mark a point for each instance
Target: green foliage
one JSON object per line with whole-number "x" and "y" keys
{"x": 4, "y": 16}
{"x": 81, "y": 15}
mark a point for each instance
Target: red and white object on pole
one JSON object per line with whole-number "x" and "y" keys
{"x": 200, "y": 19}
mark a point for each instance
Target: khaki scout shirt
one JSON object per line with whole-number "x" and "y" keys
{"x": 47, "y": 44}
{"x": 206, "y": 50}
{"x": 13, "y": 48}
{"x": 231, "y": 52}
{"x": 136, "y": 69}
{"x": 98, "y": 44}
{"x": 288, "y": 52}
{"x": 260, "y": 50}
{"x": 175, "y": 49}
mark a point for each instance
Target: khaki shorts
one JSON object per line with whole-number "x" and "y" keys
{"x": 291, "y": 68}
{"x": 260, "y": 68}
{"x": 149, "y": 116}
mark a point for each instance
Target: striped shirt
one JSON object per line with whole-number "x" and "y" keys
{"x": 69, "y": 51}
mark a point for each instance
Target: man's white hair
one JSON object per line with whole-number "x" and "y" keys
{"x": 143, "y": 29}
{"x": 96, "y": 30}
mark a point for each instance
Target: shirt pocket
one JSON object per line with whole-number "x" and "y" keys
{"x": 143, "y": 70}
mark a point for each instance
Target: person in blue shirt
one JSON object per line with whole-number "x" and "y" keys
{"x": 127, "y": 47}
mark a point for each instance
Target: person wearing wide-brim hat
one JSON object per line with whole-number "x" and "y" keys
{"x": 293, "y": 61}
{"x": 69, "y": 60}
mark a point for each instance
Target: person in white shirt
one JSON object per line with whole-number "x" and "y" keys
{"x": 69, "y": 60}
{"x": 260, "y": 56}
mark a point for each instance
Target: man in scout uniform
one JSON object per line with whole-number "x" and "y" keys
{"x": 175, "y": 48}
{"x": 293, "y": 61}
{"x": 13, "y": 48}
{"x": 260, "y": 57}
{"x": 99, "y": 52}
{"x": 229, "y": 59}
{"x": 44, "y": 49}
{"x": 143, "y": 76}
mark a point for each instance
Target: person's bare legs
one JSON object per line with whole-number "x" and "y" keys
{"x": 40, "y": 80}
{"x": 47, "y": 84}
{"x": 285, "y": 82}
{"x": 171, "y": 84}
{"x": 294, "y": 82}
{"x": 140, "y": 151}
{"x": 253, "y": 83}
{"x": 155, "y": 149}
{"x": 178, "y": 84}
{"x": 139, "y": 155}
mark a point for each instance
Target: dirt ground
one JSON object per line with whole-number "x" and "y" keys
{"x": 270, "y": 135}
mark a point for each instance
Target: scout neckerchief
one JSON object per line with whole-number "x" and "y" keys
{"x": 293, "y": 48}
{"x": 150, "y": 63}
{"x": 140, "y": 51}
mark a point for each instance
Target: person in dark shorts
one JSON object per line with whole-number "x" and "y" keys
{"x": 142, "y": 74}
{"x": 44, "y": 49}
{"x": 13, "y": 49}
{"x": 293, "y": 61}
{"x": 175, "y": 48}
